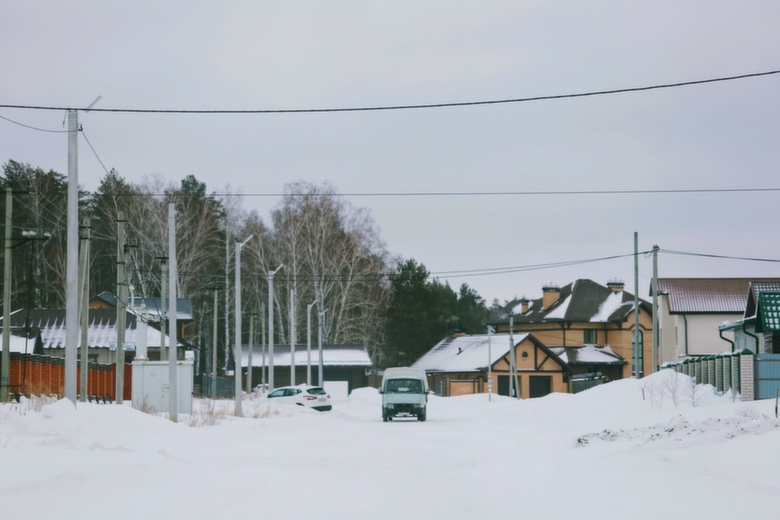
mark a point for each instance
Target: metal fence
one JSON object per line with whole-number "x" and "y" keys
{"x": 583, "y": 382}
{"x": 226, "y": 387}
{"x": 728, "y": 371}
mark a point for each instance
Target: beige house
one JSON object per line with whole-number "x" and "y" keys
{"x": 585, "y": 313}
{"x": 692, "y": 311}
{"x": 459, "y": 366}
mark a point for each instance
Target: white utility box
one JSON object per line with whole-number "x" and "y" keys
{"x": 151, "y": 388}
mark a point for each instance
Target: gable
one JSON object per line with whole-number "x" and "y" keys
{"x": 768, "y": 312}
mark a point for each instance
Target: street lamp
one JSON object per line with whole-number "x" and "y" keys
{"x": 237, "y": 352}
{"x": 308, "y": 342}
{"x": 319, "y": 343}
{"x": 271, "y": 327}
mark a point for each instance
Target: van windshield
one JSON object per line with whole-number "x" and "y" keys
{"x": 407, "y": 386}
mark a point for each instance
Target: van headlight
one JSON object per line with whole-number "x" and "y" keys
{"x": 390, "y": 406}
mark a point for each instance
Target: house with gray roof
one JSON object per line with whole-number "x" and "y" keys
{"x": 692, "y": 312}
{"x": 349, "y": 364}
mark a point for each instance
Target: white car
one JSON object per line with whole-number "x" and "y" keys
{"x": 303, "y": 395}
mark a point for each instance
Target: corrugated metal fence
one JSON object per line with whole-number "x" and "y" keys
{"x": 32, "y": 374}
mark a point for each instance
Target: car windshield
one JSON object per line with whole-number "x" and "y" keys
{"x": 317, "y": 391}
{"x": 277, "y": 393}
{"x": 411, "y": 386}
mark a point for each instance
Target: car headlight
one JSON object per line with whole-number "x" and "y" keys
{"x": 390, "y": 406}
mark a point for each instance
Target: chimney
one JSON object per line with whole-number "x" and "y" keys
{"x": 616, "y": 285}
{"x": 551, "y": 294}
{"x": 524, "y": 302}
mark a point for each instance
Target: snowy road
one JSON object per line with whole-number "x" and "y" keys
{"x": 605, "y": 453}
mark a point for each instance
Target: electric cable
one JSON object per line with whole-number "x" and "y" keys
{"x": 401, "y": 107}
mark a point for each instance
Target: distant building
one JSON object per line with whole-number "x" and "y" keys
{"x": 691, "y": 312}
{"x": 585, "y": 313}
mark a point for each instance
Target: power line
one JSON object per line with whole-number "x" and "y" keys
{"x": 93, "y": 151}
{"x": 34, "y": 127}
{"x": 403, "y": 107}
{"x": 724, "y": 257}
{"x": 469, "y": 193}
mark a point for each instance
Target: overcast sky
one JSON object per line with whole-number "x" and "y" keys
{"x": 272, "y": 55}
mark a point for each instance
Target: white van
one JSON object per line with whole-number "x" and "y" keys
{"x": 404, "y": 392}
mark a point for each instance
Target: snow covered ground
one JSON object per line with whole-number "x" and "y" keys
{"x": 615, "y": 451}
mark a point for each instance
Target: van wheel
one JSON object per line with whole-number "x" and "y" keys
{"x": 384, "y": 414}
{"x": 422, "y": 416}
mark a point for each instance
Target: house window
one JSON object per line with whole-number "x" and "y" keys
{"x": 590, "y": 337}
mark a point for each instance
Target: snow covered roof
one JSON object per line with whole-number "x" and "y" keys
{"x": 467, "y": 353}
{"x": 151, "y": 306}
{"x": 581, "y": 301}
{"x": 589, "y": 355}
{"x": 21, "y": 344}
{"x": 332, "y": 356}
{"x": 101, "y": 333}
{"x": 710, "y": 295}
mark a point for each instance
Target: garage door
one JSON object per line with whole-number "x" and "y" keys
{"x": 540, "y": 385}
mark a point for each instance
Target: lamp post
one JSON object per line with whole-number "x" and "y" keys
{"x": 308, "y": 342}
{"x": 319, "y": 344}
{"x": 271, "y": 327}
{"x": 292, "y": 337}
{"x": 237, "y": 351}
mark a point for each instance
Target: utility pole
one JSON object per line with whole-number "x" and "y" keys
{"x": 263, "y": 346}
{"x": 163, "y": 288}
{"x": 271, "y": 328}
{"x": 237, "y": 355}
{"x": 637, "y": 346}
{"x": 72, "y": 260}
{"x": 308, "y": 342}
{"x": 656, "y": 339}
{"x": 84, "y": 309}
{"x": 121, "y": 307}
{"x": 320, "y": 326}
{"x": 173, "y": 405}
{"x": 250, "y": 347}
{"x": 514, "y": 383}
{"x": 227, "y": 293}
{"x": 6, "y": 357}
{"x": 292, "y": 337}
{"x": 321, "y": 323}
{"x": 214, "y": 351}
{"x": 490, "y": 364}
